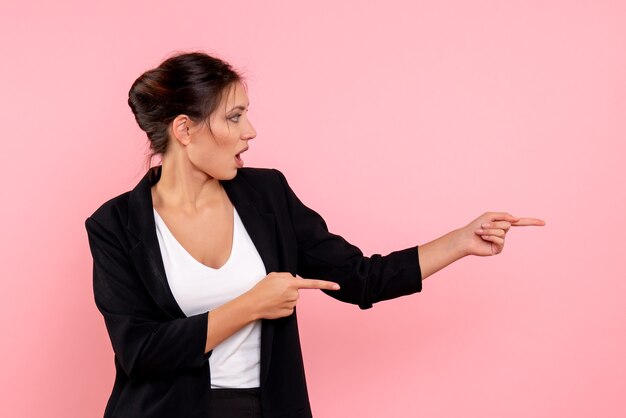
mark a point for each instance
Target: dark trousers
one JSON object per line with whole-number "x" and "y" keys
{"x": 235, "y": 403}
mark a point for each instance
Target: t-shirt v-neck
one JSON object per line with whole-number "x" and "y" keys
{"x": 183, "y": 250}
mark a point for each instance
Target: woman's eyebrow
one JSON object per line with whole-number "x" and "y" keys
{"x": 237, "y": 107}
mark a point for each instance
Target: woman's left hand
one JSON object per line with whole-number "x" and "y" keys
{"x": 485, "y": 235}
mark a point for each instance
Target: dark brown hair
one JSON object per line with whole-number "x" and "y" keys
{"x": 189, "y": 83}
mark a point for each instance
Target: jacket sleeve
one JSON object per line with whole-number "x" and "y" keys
{"x": 143, "y": 343}
{"x": 327, "y": 256}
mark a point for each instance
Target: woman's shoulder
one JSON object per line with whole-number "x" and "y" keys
{"x": 260, "y": 178}
{"x": 112, "y": 211}
{"x": 265, "y": 187}
{"x": 257, "y": 173}
{"x": 116, "y": 209}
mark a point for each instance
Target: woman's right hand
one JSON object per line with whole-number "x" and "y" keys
{"x": 275, "y": 296}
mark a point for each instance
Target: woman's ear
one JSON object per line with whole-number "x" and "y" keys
{"x": 180, "y": 129}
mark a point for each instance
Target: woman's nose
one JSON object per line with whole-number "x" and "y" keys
{"x": 250, "y": 133}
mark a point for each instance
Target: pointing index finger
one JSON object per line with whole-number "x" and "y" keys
{"x": 315, "y": 284}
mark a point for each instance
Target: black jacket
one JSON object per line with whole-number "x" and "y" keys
{"x": 161, "y": 368}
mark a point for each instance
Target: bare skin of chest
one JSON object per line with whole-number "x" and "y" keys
{"x": 207, "y": 236}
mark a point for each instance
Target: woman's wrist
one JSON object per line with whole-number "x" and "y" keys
{"x": 441, "y": 252}
{"x": 458, "y": 244}
{"x": 249, "y": 305}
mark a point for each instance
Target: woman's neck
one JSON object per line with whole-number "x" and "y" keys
{"x": 184, "y": 188}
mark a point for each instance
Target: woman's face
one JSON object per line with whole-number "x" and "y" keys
{"x": 216, "y": 151}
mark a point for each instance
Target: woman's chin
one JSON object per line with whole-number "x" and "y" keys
{"x": 231, "y": 176}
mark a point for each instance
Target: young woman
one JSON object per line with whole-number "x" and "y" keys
{"x": 194, "y": 270}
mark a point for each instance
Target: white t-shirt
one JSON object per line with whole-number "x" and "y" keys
{"x": 235, "y": 362}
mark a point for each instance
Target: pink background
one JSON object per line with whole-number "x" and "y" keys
{"x": 398, "y": 122}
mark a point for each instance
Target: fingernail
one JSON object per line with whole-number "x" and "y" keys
{"x": 485, "y": 225}
{"x": 336, "y": 287}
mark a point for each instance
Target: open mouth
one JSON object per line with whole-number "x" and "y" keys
{"x": 238, "y": 159}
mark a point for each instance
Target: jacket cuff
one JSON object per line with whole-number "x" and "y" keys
{"x": 409, "y": 260}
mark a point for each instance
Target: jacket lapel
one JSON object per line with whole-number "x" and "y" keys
{"x": 145, "y": 251}
{"x": 147, "y": 257}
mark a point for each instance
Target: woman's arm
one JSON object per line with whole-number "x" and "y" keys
{"x": 145, "y": 343}
{"x": 483, "y": 236}
{"x": 366, "y": 280}
{"x": 324, "y": 255}
{"x": 275, "y": 296}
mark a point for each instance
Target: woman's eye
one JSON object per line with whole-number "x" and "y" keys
{"x": 235, "y": 118}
